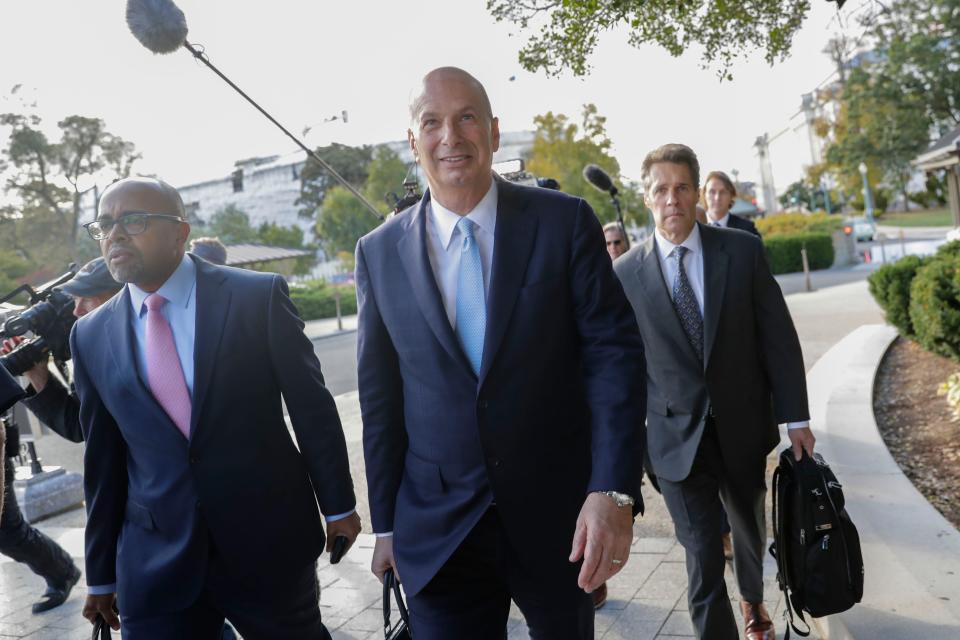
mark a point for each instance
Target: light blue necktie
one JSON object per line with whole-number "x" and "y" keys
{"x": 471, "y": 299}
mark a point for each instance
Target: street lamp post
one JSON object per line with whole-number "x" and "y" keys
{"x": 867, "y": 196}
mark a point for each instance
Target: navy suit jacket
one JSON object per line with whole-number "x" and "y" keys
{"x": 556, "y": 411}
{"x": 156, "y": 501}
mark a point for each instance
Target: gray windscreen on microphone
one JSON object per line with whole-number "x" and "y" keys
{"x": 159, "y": 25}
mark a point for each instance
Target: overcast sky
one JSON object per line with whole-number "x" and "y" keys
{"x": 307, "y": 60}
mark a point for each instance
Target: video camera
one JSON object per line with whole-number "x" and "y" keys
{"x": 49, "y": 316}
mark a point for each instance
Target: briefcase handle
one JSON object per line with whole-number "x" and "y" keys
{"x": 390, "y": 583}
{"x": 101, "y": 630}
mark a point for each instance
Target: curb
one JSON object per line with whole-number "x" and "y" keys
{"x": 911, "y": 553}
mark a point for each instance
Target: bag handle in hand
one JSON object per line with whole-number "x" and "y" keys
{"x": 390, "y": 583}
{"x": 101, "y": 630}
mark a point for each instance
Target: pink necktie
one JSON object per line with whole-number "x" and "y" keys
{"x": 163, "y": 366}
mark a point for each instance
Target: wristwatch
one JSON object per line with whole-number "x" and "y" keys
{"x": 622, "y": 499}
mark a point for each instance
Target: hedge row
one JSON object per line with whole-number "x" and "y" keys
{"x": 921, "y": 298}
{"x": 315, "y": 299}
{"x": 792, "y": 223}
{"x": 783, "y": 251}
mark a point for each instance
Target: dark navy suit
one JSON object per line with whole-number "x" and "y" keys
{"x": 556, "y": 411}
{"x": 238, "y": 496}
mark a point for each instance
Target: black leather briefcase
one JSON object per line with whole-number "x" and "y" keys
{"x": 400, "y": 631}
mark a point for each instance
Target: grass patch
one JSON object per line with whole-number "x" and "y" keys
{"x": 928, "y": 218}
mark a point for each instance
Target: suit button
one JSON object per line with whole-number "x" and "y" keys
{"x": 495, "y": 462}
{"x": 482, "y": 404}
{"x": 194, "y": 460}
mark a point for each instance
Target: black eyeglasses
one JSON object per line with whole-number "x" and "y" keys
{"x": 131, "y": 223}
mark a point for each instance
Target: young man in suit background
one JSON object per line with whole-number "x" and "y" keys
{"x": 719, "y": 194}
{"x": 200, "y": 506}
{"x": 720, "y": 343}
{"x": 501, "y": 386}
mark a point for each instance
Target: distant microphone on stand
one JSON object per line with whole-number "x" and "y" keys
{"x": 161, "y": 27}
{"x": 602, "y": 181}
{"x": 599, "y": 179}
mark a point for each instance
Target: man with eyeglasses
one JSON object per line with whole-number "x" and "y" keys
{"x": 199, "y": 504}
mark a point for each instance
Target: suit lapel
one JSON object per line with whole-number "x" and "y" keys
{"x": 513, "y": 243}
{"x": 715, "y": 260}
{"x": 654, "y": 287}
{"x": 212, "y": 309}
{"x": 412, "y": 248}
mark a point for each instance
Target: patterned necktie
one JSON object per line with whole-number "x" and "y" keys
{"x": 685, "y": 302}
{"x": 471, "y": 298}
{"x": 163, "y": 366}
{"x": 716, "y": 224}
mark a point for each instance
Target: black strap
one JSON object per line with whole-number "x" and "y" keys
{"x": 780, "y": 535}
{"x": 101, "y": 630}
{"x": 390, "y": 584}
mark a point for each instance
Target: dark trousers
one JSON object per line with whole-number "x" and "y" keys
{"x": 292, "y": 613}
{"x": 469, "y": 599}
{"x": 696, "y": 509}
{"x": 23, "y": 543}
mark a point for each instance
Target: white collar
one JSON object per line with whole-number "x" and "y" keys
{"x": 484, "y": 215}
{"x": 723, "y": 222}
{"x": 692, "y": 243}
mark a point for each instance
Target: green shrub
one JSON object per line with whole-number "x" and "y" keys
{"x": 315, "y": 299}
{"x": 790, "y": 223}
{"x": 949, "y": 249}
{"x": 935, "y": 305}
{"x": 890, "y": 287}
{"x": 783, "y": 251}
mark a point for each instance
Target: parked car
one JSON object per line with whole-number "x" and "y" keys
{"x": 862, "y": 229}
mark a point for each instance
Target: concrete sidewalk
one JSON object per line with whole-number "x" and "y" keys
{"x": 647, "y": 599}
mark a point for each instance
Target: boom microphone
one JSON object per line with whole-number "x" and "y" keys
{"x": 161, "y": 27}
{"x": 599, "y": 179}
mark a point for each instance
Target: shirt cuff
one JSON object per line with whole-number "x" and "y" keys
{"x": 340, "y": 516}
{"x": 102, "y": 590}
{"x": 798, "y": 425}
{"x": 388, "y": 534}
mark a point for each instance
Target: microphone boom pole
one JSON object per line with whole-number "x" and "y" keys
{"x": 202, "y": 57}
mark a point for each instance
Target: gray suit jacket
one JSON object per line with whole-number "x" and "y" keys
{"x": 752, "y": 355}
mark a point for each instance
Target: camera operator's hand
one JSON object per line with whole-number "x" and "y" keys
{"x": 38, "y": 375}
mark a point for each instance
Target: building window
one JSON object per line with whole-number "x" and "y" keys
{"x": 192, "y": 209}
{"x": 296, "y": 173}
{"x": 238, "y": 181}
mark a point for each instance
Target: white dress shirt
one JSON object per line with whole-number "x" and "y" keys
{"x": 722, "y": 222}
{"x": 692, "y": 262}
{"x": 693, "y": 265}
{"x": 445, "y": 245}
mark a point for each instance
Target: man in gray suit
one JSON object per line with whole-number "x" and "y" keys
{"x": 720, "y": 346}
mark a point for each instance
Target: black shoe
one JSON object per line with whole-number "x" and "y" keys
{"x": 56, "y": 595}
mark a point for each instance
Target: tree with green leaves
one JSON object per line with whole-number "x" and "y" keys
{"x": 55, "y": 174}
{"x": 232, "y": 225}
{"x": 561, "y": 149}
{"x": 342, "y": 219}
{"x": 890, "y": 103}
{"x": 570, "y": 31}
{"x": 349, "y": 162}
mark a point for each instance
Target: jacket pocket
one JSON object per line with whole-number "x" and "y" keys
{"x": 425, "y": 475}
{"x": 139, "y": 515}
